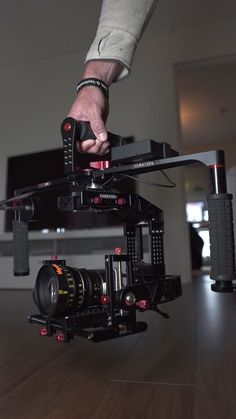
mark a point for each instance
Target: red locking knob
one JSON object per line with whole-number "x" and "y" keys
{"x": 43, "y": 331}
{"x": 60, "y": 338}
{"x": 143, "y": 304}
{"x": 105, "y": 299}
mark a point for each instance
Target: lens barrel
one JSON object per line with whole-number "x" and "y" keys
{"x": 62, "y": 290}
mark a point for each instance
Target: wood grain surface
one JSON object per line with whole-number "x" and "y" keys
{"x": 181, "y": 368}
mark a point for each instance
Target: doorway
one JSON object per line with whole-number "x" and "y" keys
{"x": 206, "y": 92}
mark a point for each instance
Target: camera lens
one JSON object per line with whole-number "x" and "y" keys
{"x": 53, "y": 290}
{"x": 62, "y": 290}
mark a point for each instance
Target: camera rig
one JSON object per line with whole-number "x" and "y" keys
{"x": 101, "y": 304}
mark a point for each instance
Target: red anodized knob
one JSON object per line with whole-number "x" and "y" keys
{"x": 60, "y": 338}
{"x": 143, "y": 304}
{"x": 43, "y": 331}
{"x": 121, "y": 201}
{"x": 97, "y": 200}
{"x": 67, "y": 126}
{"x": 105, "y": 299}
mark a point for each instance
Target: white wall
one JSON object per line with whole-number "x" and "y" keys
{"x": 37, "y": 94}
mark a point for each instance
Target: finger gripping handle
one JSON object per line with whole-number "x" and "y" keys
{"x": 20, "y": 248}
{"x": 85, "y": 132}
{"x": 221, "y": 241}
{"x": 74, "y": 131}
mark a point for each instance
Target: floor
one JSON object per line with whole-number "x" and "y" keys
{"x": 181, "y": 368}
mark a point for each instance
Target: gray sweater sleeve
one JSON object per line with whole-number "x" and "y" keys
{"x": 121, "y": 25}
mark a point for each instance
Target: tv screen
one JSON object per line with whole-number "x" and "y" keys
{"x": 30, "y": 169}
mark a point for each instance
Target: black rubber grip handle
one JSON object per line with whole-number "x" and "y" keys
{"x": 84, "y": 131}
{"x": 76, "y": 131}
{"x": 20, "y": 248}
{"x": 81, "y": 131}
{"x": 222, "y": 247}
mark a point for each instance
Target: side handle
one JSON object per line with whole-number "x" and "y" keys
{"x": 222, "y": 247}
{"x": 21, "y": 248}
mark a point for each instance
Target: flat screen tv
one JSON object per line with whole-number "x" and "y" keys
{"x": 29, "y": 169}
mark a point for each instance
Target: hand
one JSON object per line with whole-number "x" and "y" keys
{"x": 91, "y": 105}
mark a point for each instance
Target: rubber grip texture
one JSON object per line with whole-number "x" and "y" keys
{"x": 20, "y": 248}
{"x": 85, "y": 131}
{"x": 221, "y": 237}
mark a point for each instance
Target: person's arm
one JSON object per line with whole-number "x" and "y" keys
{"x": 109, "y": 59}
{"x": 121, "y": 25}
{"x": 91, "y": 104}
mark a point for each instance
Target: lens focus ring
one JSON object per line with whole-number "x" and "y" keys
{"x": 62, "y": 290}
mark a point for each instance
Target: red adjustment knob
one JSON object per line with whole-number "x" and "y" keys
{"x": 43, "y": 332}
{"x": 67, "y": 126}
{"x": 60, "y": 338}
{"x": 121, "y": 201}
{"x": 105, "y": 299}
{"x": 17, "y": 203}
{"x": 97, "y": 200}
{"x": 100, "y": 165}
{"x": 118, "y": 250}
{"x": 143, "y": 304}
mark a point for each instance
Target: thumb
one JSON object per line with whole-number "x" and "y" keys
{"x": 99, "y": 129}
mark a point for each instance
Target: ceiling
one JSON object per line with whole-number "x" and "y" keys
{"x": 207, "y": 102}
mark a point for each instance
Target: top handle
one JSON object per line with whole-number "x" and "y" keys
{"x": 73, "y": 131}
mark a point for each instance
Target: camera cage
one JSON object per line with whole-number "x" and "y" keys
{"x": 131, "y": 284}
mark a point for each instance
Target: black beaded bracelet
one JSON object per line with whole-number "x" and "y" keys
{"x": 94, "y": 82}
